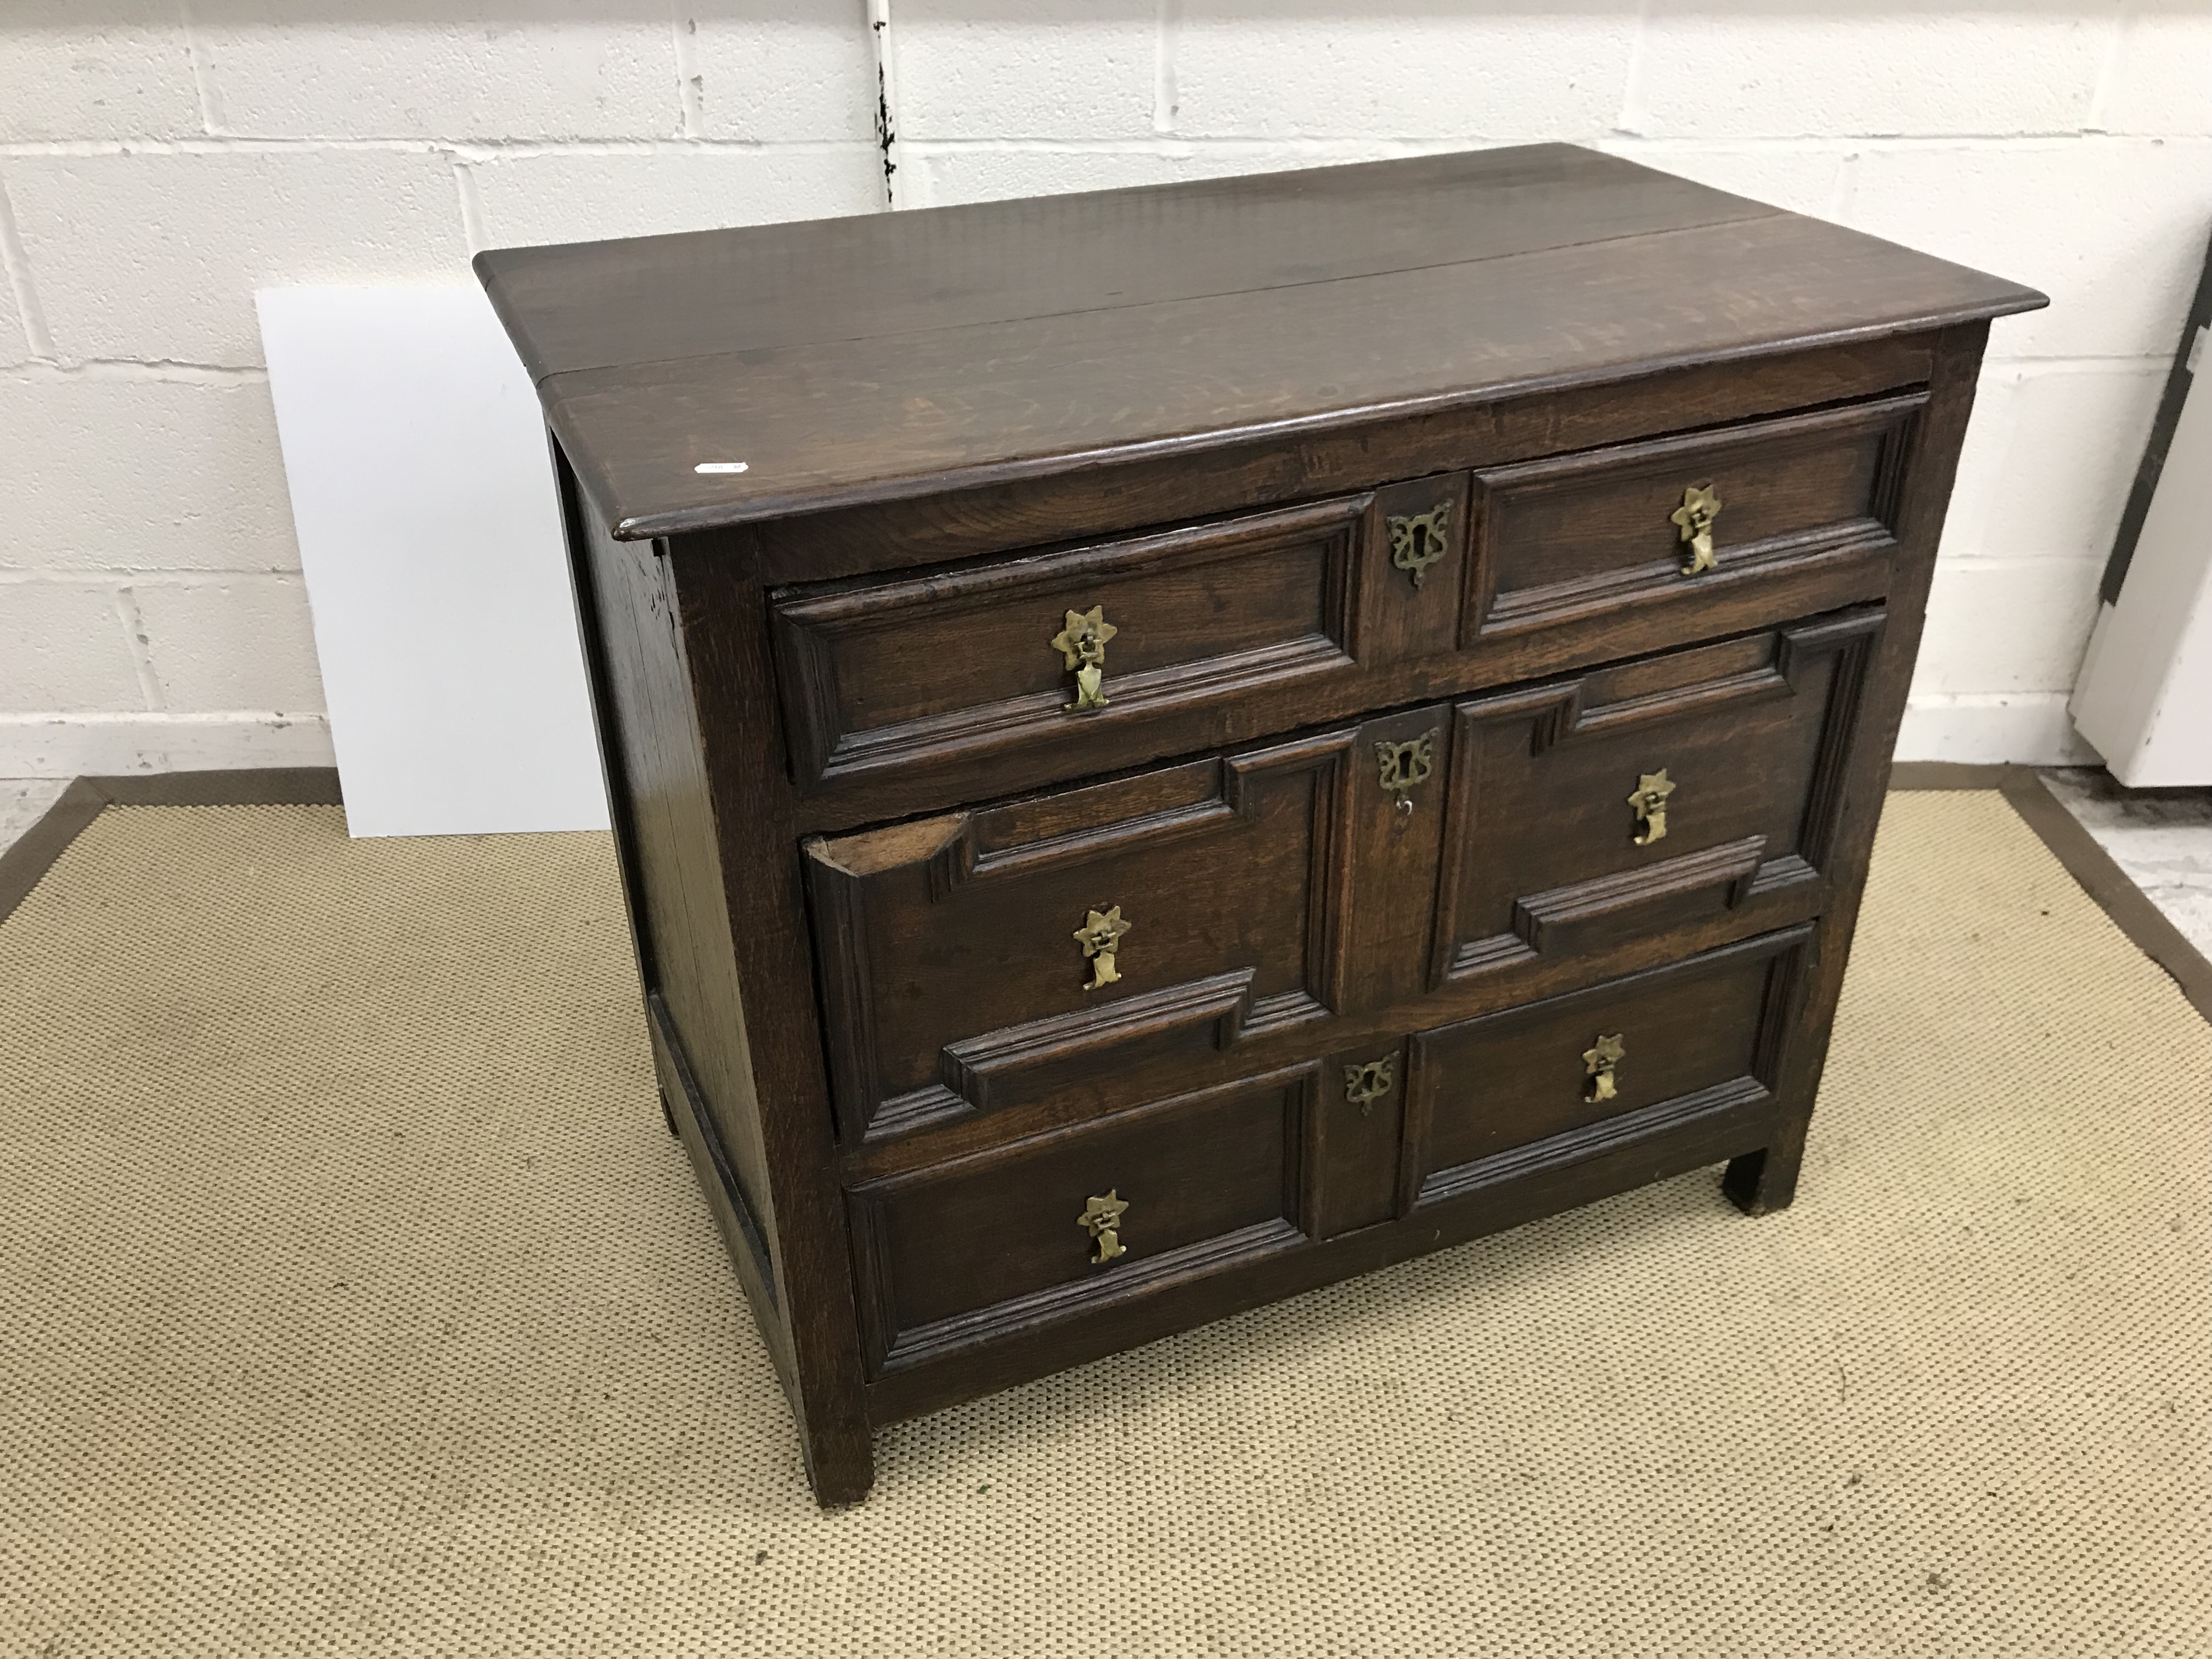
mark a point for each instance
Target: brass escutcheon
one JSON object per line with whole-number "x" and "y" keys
{"x": 1102, "y": 1220}
{"x": 1701, "y": 505}
{"x": 1100, "y": 936}
{"x": 1418, "y": 540}
{"x": 1598, "y": 1063}
{"x": 1649, "y": 801}
{"x": 1081, "y": 644}
{"x": 1404, "y": 766}
{"x": 1365, "y": 1085}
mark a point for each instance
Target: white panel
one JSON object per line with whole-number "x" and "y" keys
{"x": 423, "y": 496}
{"x": 2145, "y": 696}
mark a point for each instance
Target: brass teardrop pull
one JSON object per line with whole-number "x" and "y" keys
{"x": 1598, "y": 1063}
{"x": 1100, "y": 936}
{"x": 1081, "y": 644}
{"x": 1701, "y": 505}
{"x": 1102, "y": 1220}
{"x": 1650, "y": 805}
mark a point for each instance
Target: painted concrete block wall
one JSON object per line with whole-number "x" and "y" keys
{"x": 160, "y": 159}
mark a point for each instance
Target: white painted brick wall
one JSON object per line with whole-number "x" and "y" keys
{"x": 493, "y": 72}
{"x": 238, "y": 640}
{"x": 152, "y": 256}
{"x": 160, "y": 159}
{"x": 124, "y": 472}
{"x": 768, "y": 72}
{"x": 1475, "y": 73}
{"x": 548, "y": 195}
{"x": 63, "y": 641}
{"x": 1752, "y": 71}
{"x": 1026, "y": 69}
{"x": 15, "y": 338}
{"x": 96, "y": 72}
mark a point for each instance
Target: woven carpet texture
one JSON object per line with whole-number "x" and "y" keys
{"x": 352, "y": 1300}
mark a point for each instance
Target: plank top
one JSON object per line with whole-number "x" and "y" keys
{"x": 888, "y": 356}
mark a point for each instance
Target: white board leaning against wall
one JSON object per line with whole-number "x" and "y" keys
{"x": 431, "y": 547}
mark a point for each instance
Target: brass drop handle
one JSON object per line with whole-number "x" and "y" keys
{"x": 1365, "y": 1085}
{"x": 1406, "y": 766}
{"x": 1102, "y": 1220}
{"x": 1100, "y": 936}
{"x": 1701, "y": 505}
{"x": 1598, "y": 1063}
{"x": 1649, "y": 802}
{"x": 1081, "y": 644}
{"x": 1418, "y": 540}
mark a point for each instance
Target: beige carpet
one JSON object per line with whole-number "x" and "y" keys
{"x": 352, "y": 1300}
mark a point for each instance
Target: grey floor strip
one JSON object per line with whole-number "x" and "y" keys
{"x": 28, "y": 858}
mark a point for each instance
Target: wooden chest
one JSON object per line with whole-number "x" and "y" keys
{"x": 1173, "y": 745}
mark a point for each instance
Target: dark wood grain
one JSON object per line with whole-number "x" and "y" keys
{"x": 1571, "y": 535}
{"x": 1766, "y": 1179}
{"x": 954, "y": 764}
{"x": 891, "y": 674}
{"x": 664, "y": 824}
{"x": 1177, "y": 1302}
{"x": 652, "y": 299}
{"x": 824, "y": 415}
{"x": 1179, "y": 1045}
{"x": 958, "y": 1253}
{"x": 1545, "y": 854}
{"x": 1357, "y": 1126}
{"x": 1119, "y": 493}
{"x": 879, "y": 420}
{"x": 1505, "y": 1082}
{"x": 654, "y": 770}
{"x": 954, "y": 979}
{"x": 860, "y": 824}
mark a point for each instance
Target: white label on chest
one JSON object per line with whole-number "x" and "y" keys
{"x": 719, "y": 466}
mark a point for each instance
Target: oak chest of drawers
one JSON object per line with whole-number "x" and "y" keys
{"x": 1173, "y": 745}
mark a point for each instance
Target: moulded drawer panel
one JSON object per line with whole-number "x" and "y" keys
{"x": 956, "y": 1253}
{"x": 882, "y": 675}
{"x": 1076, "y": 951}
{"x": 1590, "y": 813}
{"x": 1504, "y": 1094}
{"x": 1596, "y": 533}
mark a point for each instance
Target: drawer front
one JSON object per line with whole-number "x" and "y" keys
{"x": 1083, "y": 951}
{"x": 1505, "y": 1095}
{"x": 906, "y": 695}
{"x": 959, "y": 1253}
{"x": 1591, "y": 812}
{"x": 1611, "y": 530}
{"x": 885, "y": 675}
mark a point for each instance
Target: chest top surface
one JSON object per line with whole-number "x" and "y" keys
{"x": 885, "y": 357}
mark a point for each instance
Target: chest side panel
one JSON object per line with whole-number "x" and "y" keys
{"x": 665, "y": 824}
